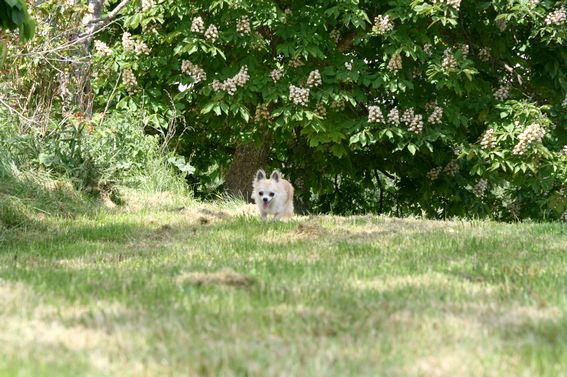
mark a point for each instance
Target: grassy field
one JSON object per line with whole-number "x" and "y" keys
{"x": 164, "y": 286}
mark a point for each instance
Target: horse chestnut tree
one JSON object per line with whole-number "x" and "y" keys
{"x": 434, "y": 107}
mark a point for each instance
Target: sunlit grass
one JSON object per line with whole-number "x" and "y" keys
{"x": 164, "y": 285}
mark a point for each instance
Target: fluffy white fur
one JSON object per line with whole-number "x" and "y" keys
{"x": 274, "y": 196}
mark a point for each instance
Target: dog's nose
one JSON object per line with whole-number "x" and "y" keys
{"x": 265, "y": 199}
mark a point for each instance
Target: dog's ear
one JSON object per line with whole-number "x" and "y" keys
{"x": 275, "y": 176}
{"x": 261, "y": 174}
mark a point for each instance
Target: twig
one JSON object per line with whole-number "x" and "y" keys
{"x": 110, "y": 99}
{"x": 12, "y": 110}
{"x": 171, "y": 127}
{"x": 185, "y": 129}
{"x": 78, "y": 40}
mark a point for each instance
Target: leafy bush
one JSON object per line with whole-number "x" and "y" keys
{"x": 351, "y": 91}
{"x": 101, "y": 156}
{"x": 28, "y": 195}
{"x": 47, "y": 121}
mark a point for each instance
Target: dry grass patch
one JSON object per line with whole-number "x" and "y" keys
{"x": 424, "y": 281}
{"x": 202, "y": 216}
{"x": 25, "y": 332}
{"x": 13, "y": 296}
{"x": 25, "y": 316}
{"x": 310, "y": 229}
{"x": 300, "y": 310}
{"x": 512, "y": 316}
{"x": 163, "y": 232}
{"x": 80, "y": 263}
{"x": 225, "y": 277}
{"x": 205, "y": 214}
{"x": 369, "y": 228}
{"x": 520, "y": 315}
{"x": 449, "y": 362}
{"x": 33, "y": 330}
{"x": 144, "y": 201}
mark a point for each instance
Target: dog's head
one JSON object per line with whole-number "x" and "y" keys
{"x": 267, "y": 190}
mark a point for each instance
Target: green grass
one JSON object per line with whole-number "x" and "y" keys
{"x": 28, "y": 197}
{"x": 166, "y": 286}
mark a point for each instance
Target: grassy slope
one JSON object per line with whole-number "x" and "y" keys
{"x": 27, "y": 197}
{"x": 168, "y": 287}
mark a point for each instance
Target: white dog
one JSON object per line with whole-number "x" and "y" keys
{"x": 273, "y": 196}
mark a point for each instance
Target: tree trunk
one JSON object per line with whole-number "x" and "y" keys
{"x": 83, "y": 71}
{"x": 247, "y": 159}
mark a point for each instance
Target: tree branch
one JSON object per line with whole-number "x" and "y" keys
{"x": 99, "y": 23}
{"x": 16, "y": 112}
{"x": 79, "y": 39}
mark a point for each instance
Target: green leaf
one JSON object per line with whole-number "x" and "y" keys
{"x": 412, "y": 148}
{"x": 46, "y": 159}
{"x": 208, "y": 108}
{"x": 224, "y": 107}
{"x": 244, "y": 114}
{"x": 217, "y": 109}
{"x": 134, "y": 21}
{"x": 355, "y": 139}
{"x": 338, "y": 150}
{"x": 132, "y": 106}
{"x": 363, "y": 139}
{"x": 18, "y": 17}
{"x": 495, "y": 166}
{"x": 191, "y": 49}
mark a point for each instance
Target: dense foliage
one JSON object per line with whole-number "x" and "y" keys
{"x": 440, "y": 107}
{"x": 43, "y": 94}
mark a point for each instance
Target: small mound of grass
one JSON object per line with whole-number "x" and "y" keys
{"x": 28, "y": 197}
{"x": 12, "y": 213}
{"x": 310, "y": 228}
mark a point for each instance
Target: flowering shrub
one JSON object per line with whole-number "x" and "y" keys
{"x": 436, "y": 107}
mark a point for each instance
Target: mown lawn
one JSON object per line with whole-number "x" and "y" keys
{"x": 167, "y": 287}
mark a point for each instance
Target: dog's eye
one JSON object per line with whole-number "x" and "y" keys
{"x": 272, "y": 194}
{"x": 260, "y": 193}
